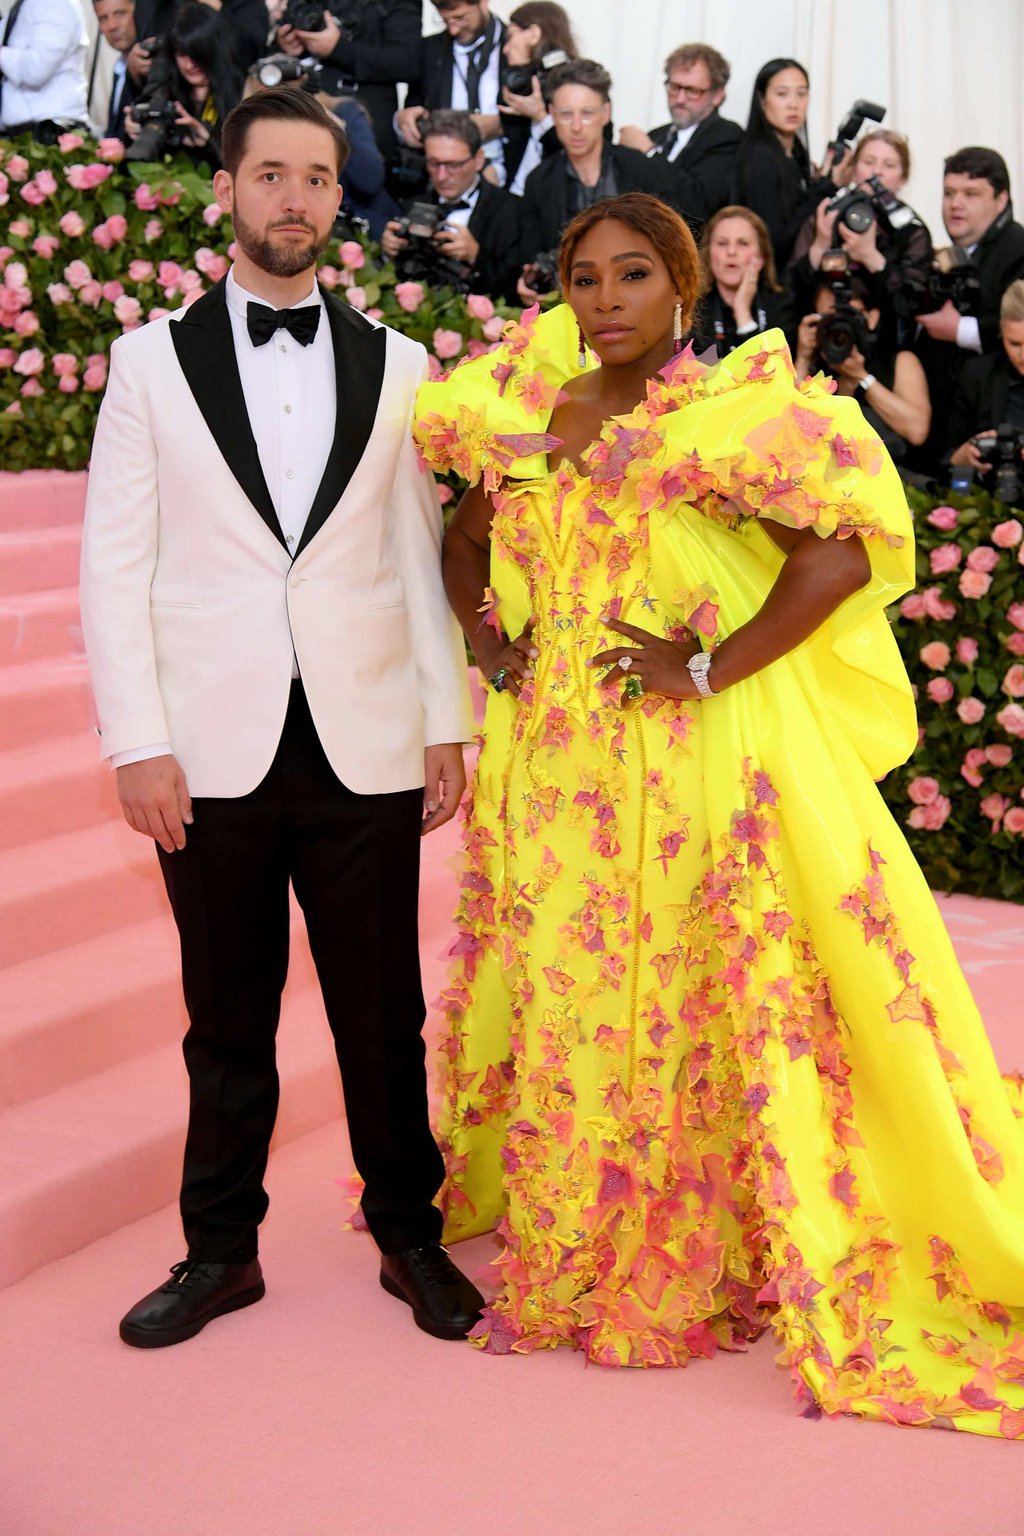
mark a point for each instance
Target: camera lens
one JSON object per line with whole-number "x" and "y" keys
{"x": 270, "y": 74}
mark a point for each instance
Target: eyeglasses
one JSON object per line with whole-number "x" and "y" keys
{"x": 691, "y": 92}
{"x": 587, "y": 115}
{"x": 436, "y": 166}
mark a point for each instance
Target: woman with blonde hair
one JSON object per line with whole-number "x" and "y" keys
{"x": 741, "y": 295}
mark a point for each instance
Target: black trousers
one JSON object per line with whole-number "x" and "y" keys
{"x": 354, "y": 863}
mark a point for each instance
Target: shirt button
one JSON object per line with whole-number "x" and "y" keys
{"x": 290, "y": 474}
{"x": 283, "y": 347}
{"x": 289, "y": 538}
{"x": 288, "y": 410}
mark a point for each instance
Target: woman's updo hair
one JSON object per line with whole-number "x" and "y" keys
{"x": 661, "y": 225}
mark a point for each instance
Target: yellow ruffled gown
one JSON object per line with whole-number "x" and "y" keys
{"x": 711, "y": 1060}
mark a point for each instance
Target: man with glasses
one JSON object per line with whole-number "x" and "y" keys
{"x": 463, "y": 68}
{"x": 585, "y": 169}
{"x": 698, "y": 145}
{"x": 477, "y": 240}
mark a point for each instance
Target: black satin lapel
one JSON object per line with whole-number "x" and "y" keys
{"x": 206, "y": 351}
{"x": 359, "y": 349}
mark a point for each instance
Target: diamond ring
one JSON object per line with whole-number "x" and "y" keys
{"x": 625, "y": 662}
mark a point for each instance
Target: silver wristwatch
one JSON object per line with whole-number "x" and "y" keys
{"x": 699, "y": 666}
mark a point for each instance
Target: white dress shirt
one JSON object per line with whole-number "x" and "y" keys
{"x": 533, "y": 154}
{"x": 43, "y": 65}
{"x": 677, "y": 140}
{"x": 489, "y": 93}
{"x": 290, "y": 396}
{"x": 461, "y": 216}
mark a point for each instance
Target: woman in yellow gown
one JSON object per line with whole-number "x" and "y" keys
{"x": 711, "y": 1061}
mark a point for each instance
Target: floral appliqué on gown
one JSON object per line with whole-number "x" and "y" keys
{"x": 711, "y": 1063}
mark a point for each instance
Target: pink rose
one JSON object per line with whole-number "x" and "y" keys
{"x": 1015, "y": 643}
{"x": 60, "y": 293}
{"x": 128, "y": 310}
{"x": 1013, "y": 821}
{"x": 20, "y": 228}
{"x": 1000, "y": 755}
{"x": 352, "y": 255}
{"x": 923, "y": 791}
{"x": 66, "y": 142}
{"x": 5, "y": 195}
{"x": 971, "y": 711}
{"x": 113, "y": 290}
{"x": 329, "y": 276}
{"x": 191, "y": 295}
{"x": 1013, "y": 682}
{"x": 494, "y": 328}
{"x": 944, "y": 518}
{"x": 94, "y": 379}
{"x": 170, "y": 197}
{"x": 447, "y": 344}
{"x": 157, "y": 313}
{"x": 210, "y": 264}
{"x": 31, "y": 387}
{"x": 1010, "y": 717}
{"x": 479, "y": 306}
{"x": 970, "y": 768}
{"x": 190, "y": 280}
{"x": 14, "y": 409}
{"x": 17, "y": 168}
{"x": 929, "y": 818}
{"x": 912, "y": 607}
{"x": 153, "y": 230}
{"x": 72, "y": 225}
{"x": 68, "y": 384}
{"x": 375, "y": 314}
{"x": 16, "y": 276}
{"x": 984, "y": 558}
{"x": 940, "y": 690}
{"x": 140, "y": 271}
{"x": 993, "y": 806}
{"x": 410, "y": 296}
{"x": 7, "y": 356}
{"x": 77, "y": 274}
{"x": 936, "y": 606}
{"x": 84, "y": 178}
{"x": 475, "y": 348}
{"x": 117, "y": 226}
{"x": 434, "y": 369}
{"x": 146, "y": 199}
{"x": 966, "y": 651}
{"x": 110, "y": 150}
{"x": 444, "y": 493}
{"x": 357, "y": 297}
{"x": 102, "y": 237}
{"x": 64, "y": 362}
{"x": 935, "y": 655}
{"x": 974, "y": 583}
{"x": 945, "y": 558}
{"x": 31, "y": 194}
{"x": 1015, "y": 614}
{"x": 91, "y": 293}
{"x": 1007, "y": 535}
{"x": 169, "y": 276}
{"x": 46, "y": 246}
{"x": 27, "y": 323}
{"x": 212, "y": 215}
{"x": 30, "y": 363}
{"x": 232, "y": 250}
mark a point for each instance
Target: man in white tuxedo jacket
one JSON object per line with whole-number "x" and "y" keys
{"x": 282, "y": 691}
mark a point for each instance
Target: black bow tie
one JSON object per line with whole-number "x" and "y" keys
{"x": 458, "y": 207}
{"x": 264, "y": 321}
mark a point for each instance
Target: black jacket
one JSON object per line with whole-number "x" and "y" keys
{"x": 546, "y": 208}
{"x": 431, "y": 85}
{"x": 714, "y": 324}
{"x": 704, "y": 170}
{"x": 380, "y": 45}
{"x": 981, "y": 397}
{"x": 115, "y": 120}
{"x": 246, "y": 21}
{"x": 515, "y": 137}
{"x": 781, "y": 189}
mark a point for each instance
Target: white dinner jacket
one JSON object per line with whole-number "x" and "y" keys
{"x": 192, "y": 604}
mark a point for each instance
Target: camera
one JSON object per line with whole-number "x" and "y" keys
{"x": 546, "y": 277}
{"x": 422, "y": 260}
{"x": 282, "y": 69}
{"x": 156, "y": 109}
{"x": 954, "y": 277}
{"x": 304, "y": 16}
{"x": 519, "y": 79}
{"x": 870, "y": 202}
{"x": 1003, "y": 448}
{"x": 851, "y": 125}
{"x": 845, "y": 328}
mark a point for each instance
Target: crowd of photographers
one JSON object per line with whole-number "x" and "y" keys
{"x": 504, "y": 133}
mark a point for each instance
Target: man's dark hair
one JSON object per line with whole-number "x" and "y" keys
{"x": 450, "y": 124}
{"x": 984, "y": 164}
{"x": 281, "y": 104}
{"x": 579, "y": 72}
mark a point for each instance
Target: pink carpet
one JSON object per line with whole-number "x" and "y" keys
{"x": 323, "y": 1411}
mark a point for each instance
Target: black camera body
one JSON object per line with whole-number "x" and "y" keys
{"x": 519, "y": 79}
{"x": 1002, "y": 449}
{"x": 846, "y": 328}
{"x": 954, "y": 277}
{"x": 870, "y": 202}
{"x": 546, "y": 277}
{"x": 282, "y": 69}
{"x": 155, "y": 108}
{"x": 304, "y": 16}
{"x": 422, "y": 260}
{"x": 852, "y": 124}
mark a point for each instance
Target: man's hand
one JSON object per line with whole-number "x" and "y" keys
{"x": 445, "y": 778}
{"x": 138, "y": 63}
{"x": 457, "y": 242}
{"x": 635, "y": 138}
{"x": 155, "y": 800}
{"x": 968, "y": 453}
{"x": 289, "y": 42}
{"x": 942, "y": 324}
{"x": 321, "y": 44}
{"x": 391, "y": 241}
{"x": 408, "y": 123}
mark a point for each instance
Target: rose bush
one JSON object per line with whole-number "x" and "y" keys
{"x": 92, "y": 245}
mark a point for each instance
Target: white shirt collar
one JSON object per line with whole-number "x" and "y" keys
{"x": 238, "y": 297}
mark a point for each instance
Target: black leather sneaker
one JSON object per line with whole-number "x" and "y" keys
{"x": 196, "y": 1293}
{"x": 443, "y": 1301}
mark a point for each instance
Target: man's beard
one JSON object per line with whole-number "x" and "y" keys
{"x": 279, "y": 260}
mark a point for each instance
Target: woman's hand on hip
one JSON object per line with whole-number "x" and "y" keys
{"x": 659, "y": 664}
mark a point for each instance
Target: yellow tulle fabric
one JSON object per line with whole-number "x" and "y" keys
{"x": 711, "y": 1063}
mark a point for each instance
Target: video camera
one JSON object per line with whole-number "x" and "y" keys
{"x": 1003, "y": 448}
{"x": 519, "y": 80}
{"x": 282, "y": 69}
{"x": 155, "y": 109}
{"x": 846, "y": 327}
{"x": 422, "y": 260}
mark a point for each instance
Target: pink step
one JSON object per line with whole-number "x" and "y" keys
{"x": 58, "y": 786}
{"x": 99, "y": 1003}
{"x": 35, "y": 559}
{"x": 43, "y": 699}
{"x": 41, "y": 498}
{"x": 74, "y": 887}
{"x": 37, "y": 624}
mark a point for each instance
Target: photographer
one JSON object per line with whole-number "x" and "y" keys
{"x": 189, "y": 94}
{"x": 585, "y": 169}
{"x": 42, "y": 70}
{"x": 844, "y": 339}
{"x": 885, "y": 241}
{"x": 462, "y": 68}
{"x": 366, "y": 48}
{"x": 464, "y": 235}
{"x": 986, "y": 256}
{"x": 246, "y": 25}
{"x": 700, "y": 146}
{"x": 538, "y": 36}
{"x": 740, "y": 291}
{"x": 990, "y": 391}
{"x": 115, "y": 20}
